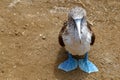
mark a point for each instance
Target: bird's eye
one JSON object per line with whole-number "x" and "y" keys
{"x": 72, "y": 20}
{"x": 74, "y": 23}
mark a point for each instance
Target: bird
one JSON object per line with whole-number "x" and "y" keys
{"x": 76, "y": 36}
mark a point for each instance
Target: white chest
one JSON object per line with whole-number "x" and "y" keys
{"x": 74, "y": 45}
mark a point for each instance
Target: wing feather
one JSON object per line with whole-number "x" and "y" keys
{"x": 60, "y": 35}
{"x": 93, "y": 35}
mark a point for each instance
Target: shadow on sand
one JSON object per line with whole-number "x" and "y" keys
{"x": 73, "y": 75}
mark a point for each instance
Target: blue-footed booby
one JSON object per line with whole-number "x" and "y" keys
{"x": 76, "y": 37}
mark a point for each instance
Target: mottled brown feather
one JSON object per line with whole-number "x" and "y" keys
{"x": 60, "y": 35}
{"x": 93, "y": 35}
{"x": 92, "y": 39}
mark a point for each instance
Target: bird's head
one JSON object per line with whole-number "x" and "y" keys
{"x": 77, "y": 16}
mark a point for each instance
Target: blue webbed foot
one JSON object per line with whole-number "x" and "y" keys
{"x": 86, "y": 65}
{"x": 69, "y": 64}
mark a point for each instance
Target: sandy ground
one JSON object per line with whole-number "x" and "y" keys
{"x": 29, "y": 48}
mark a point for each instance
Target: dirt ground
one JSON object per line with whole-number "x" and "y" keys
{"x": 29, "y": 48}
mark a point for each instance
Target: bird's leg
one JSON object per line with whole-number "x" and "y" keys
{"x": 86, "y": 65}
{"x": 69, "y": 64}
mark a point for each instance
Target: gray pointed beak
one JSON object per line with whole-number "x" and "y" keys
{"x": 78, "y": 25}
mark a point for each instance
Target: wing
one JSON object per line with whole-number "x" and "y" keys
{"x": 60, "y": 35}
{"x": 93, "y": 35}
{"x": 92, "y": 39}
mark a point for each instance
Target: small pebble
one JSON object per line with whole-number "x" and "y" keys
{"x": 26, "y": 24}
{"x": 23, "y": 33}
{"x": 43, "y": 37}
{"x": 24, "y": 27}
{"x": 40, "y": 35}
{"x": 17, "y": 34}
{"x": 38, "y": 13}
{"x": 2, "y": 30}
{"x": 2, "y": 71}
{"x": 2, "y": 52}
{"x": 14, "y": 66}
{"x": 14, "y": 14}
